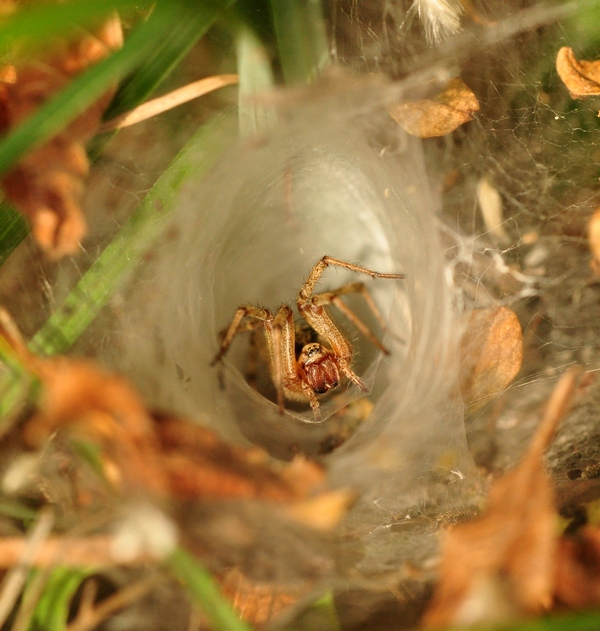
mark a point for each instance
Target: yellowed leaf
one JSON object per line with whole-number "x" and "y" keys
{"x": 491, "y": 353}
{"x": 582, "y": 78}
{"x": 440, "y": 115}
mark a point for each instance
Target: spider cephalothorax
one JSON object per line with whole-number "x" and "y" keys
{"x": 301, "y": 367}
{"x": 317, "y": 366}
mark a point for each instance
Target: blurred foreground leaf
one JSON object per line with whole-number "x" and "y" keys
{"x": 501, "y": 566}
{"x": 87, "y": 88}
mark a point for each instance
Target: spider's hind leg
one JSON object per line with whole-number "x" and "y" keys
{"x": 258, "y": 318}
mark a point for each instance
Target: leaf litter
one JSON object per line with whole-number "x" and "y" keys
{"x": 510, "y": 561}
{"x": 149, "y": 457}
{"x": 47, "y": 184}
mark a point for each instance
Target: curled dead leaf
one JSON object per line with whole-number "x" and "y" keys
{"x": 510, "y": 551}
{"x": 491, "y": 353}
{"x": 582, "y": 78}
{"x": 47, "y": 184}
{"x": 440, "y": 115}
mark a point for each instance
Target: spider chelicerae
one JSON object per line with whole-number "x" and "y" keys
{"x": 302, "y": 371}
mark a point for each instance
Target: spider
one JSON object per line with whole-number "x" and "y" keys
{"x": 301, "y": 371}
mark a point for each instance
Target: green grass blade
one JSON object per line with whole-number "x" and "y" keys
{"x": 574, "y": 621}
{"x": 16, "y": 510}
{"x": 35, "y": 24}
{"x": 13, "y": 229}
{"x": 52, "y": 610}
{"x": 256, "y": 76}
{"x": 301, "y": 38}
{"x": 124, "y": 253}
{"x": 87, "y": 88}
{"x": 167, "y": 52}
{"x": 200, "y": 585}
{"x": 17, "y": 385}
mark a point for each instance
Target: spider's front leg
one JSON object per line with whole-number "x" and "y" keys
{"x": 306, "y": 293}
{"x": 312, "y": 309}
{"x": 281, "y": 340}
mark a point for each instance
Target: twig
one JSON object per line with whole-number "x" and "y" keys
{"x": 69, "y": 551}
{"x": 169, "y": 101}
{"x": 91, "y": 619}
{"x": 21, "y": 561}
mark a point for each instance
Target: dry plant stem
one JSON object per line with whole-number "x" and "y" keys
{"x": 169, "y": 101}
{"x": 70, "y": 551}
{"x": 30, "y": 599}
{"x": 15, "y": 578}
{"x": 89, "y": 593}
{"x": 558, "y": 406}
{"x": 90, "y": 619}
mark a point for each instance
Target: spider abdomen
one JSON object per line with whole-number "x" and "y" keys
{"x": 320, "y": 368}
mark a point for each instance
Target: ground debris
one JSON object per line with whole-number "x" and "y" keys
{"x": 47, "y": 184}
{"x": 503, "y": 564}
{"x": 439, "y": 115}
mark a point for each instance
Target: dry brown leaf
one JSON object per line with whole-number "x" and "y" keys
{"x": 162, "y": 455}
{"x": 260, "y": 602}
{"x": 96, "y": 405}
{"x": 491, "y": 353}
{"x": 508, "y": 554}
{"x": 439, "y": 116}
{"x": 582, "y": 78}
{"x": 199, "y": 465}
{"x": 323, "y": 512}
{"x": 47, "y": 184}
